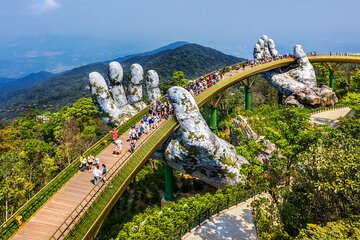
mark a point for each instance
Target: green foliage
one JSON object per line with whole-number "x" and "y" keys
{"x": 178, "y": 79}
{"x": 315, "y": 178}
{"x": 161, "y": 223}
{"x": 347, "y": 78}
{"x": 352, "y": 100}
{"x": 327, "y": 182}
{"x": 342, "y": 229}
{"x": 267, "y": 220}
{"x": 36, "y": 146}
{"x": 144, "y": 194}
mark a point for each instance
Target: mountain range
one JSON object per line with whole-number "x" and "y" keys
{"x": 49, "y": 91}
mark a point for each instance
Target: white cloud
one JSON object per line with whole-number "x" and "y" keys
{"x": 35, "y": 54}
{"x": 45, "y": 6}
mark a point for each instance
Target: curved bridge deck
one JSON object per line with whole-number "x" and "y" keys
{"x": 66, "y": 213}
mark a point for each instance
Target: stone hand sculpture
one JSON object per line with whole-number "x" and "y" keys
{"x": 196, "y": 150}
{"x": 297, "y": 83}
{"x": 152, "y": 86}
{"x": 112, "y": 104}
{"x": 135, "y": 87}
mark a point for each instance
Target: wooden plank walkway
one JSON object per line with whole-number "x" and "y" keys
{"x": 47, "y": 220}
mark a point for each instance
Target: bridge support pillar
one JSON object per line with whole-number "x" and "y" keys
{"x": 213, "y": 116}
{"x": 332, "y": 79}
{"x": 169, "y": 183}
{"x": 247, "y": 98}
{"x": 280, "y": 98}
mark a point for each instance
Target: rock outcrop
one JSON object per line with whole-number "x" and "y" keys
{"x": 241, "y": 123}
{"x": 196, "y": 150}
{"x": 297, "y": 83}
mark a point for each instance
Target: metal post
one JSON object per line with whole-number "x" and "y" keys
{"x": 332, "y": 79}
{"x": 247, "y": 98}
{"x": 213, "y": 124}
{"x": 169, "y": 183}
{"x": 280, "y": 98}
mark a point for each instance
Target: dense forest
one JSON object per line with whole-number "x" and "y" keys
{"x": 37, "y": 145}
{"x": 313, "y": 180}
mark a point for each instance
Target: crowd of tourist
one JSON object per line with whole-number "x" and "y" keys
{"x": 158, "y": 111}
{"x": 91, "y": 162}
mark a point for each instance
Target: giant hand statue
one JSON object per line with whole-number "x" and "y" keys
{"x": 297, "y": 83}
{"x": 197, "y": 151}
{"x": 113, "y": 105}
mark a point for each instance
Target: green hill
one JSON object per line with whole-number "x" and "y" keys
{"x": 64, "y": 89}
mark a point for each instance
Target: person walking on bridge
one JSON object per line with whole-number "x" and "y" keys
{"x": 114, "y": 133}
{"x": 96, "y": 174}
{"x": 118, "y": 146}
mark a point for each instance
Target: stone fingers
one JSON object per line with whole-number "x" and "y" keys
{"x": 102, "y": 99}
{"x": 117, "y": 89}
{"x": 152, "y": 86}
{"x": 135, "y": 87}
{"x": 196, "y": 150}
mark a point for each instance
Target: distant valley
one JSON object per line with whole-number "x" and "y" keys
{"x": 49, "y": 91}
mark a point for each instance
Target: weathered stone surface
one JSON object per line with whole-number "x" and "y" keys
{"x": 111, "y": 104}
{"x": 135, "y": 87}
{"x": 117, "y": 89}
{"x": 152, "y": 86}
{"x": 110, "y": 112}
{"x": 241, "y": 123}
{"x": 299, "y": 81}
{"x": 196, "y": 150}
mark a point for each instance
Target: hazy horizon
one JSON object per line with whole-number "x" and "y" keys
{"x": 57, "y": 35}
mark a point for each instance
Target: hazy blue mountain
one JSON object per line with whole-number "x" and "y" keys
{"x": 21, "y": 55}
{"x": 65, "y": 88}
{"x": 167, "y": 47}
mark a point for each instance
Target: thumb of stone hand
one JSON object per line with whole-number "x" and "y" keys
{"x": 196, "y": 150}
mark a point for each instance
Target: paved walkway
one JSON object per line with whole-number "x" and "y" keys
{"x": 234, "y": 223}
{"x": 331, "y": 117}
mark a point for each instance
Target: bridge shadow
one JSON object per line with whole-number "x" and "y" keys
{"x": 228, "y": 225}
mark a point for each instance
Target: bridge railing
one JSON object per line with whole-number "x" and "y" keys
{"x": 24, "y": 213}
{"x": 93, "y": 194}
{"x": 231, "y": 199}
{"x": 76, "y": 215}
{"x": 95, "y": 207}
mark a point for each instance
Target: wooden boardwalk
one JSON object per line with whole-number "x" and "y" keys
{"x": 47, "y": 220}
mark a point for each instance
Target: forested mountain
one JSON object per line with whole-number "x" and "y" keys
{"x": 64, "y": 89}
{"x": 12, "y": 86}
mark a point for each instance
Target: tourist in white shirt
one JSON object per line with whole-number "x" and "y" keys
{"x": 96, "y": 174}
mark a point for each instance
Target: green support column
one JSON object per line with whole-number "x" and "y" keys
{"x": 169, "y": 183}
{"x": 332, "y": 78}
{"x": 213, "y": 124}
{"x": 280, "y": 98}
{"x": 247, "y": 98}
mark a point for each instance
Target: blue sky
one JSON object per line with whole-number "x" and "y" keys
{"x": 231, "y": 26}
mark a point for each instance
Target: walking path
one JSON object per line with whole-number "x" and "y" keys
{"x": 47, "y": 220}
{"x": 331, "y": 117}
{"x": 234, "y": 223}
